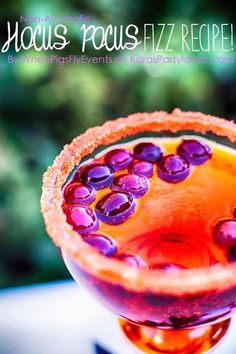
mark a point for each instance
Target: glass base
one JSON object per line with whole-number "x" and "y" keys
{"x": 175, "y": 341}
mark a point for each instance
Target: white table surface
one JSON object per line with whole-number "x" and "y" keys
{"x": 61, "y": 318}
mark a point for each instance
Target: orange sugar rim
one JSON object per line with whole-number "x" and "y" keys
{"x": 191, "y": 281}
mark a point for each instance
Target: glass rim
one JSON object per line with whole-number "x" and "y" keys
{"x": 186, "y": 281}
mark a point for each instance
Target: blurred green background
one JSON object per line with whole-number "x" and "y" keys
{"x": 43, "y": 106}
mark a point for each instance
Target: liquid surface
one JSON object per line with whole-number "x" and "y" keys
{"x": 172, "y": 224}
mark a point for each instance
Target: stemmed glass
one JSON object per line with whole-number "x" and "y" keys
{"x": 187, "y": 311}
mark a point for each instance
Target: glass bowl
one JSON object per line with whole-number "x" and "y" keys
{"x": 187, "y": 311}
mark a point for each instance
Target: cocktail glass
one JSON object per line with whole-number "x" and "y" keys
{"x": 187, "y": 311}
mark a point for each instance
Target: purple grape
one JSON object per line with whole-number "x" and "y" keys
{"x": 118, "y": 159}
{"x": 134, "y": 261}
{"x": 81, "y": 218}
{"x": 134, "y": 184}
{"x": 115, "y": 207}
{"x": 195, "y": 152}
{"x": 97, "y": 175}
{"x": 141, "y": 168}
{"x": 147, "y": 151}
{"x": 102, "y": 243}
{"x": 79, "y": 193}
{"x": 173, "y": 168}
{"x": 224, "y": 232}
